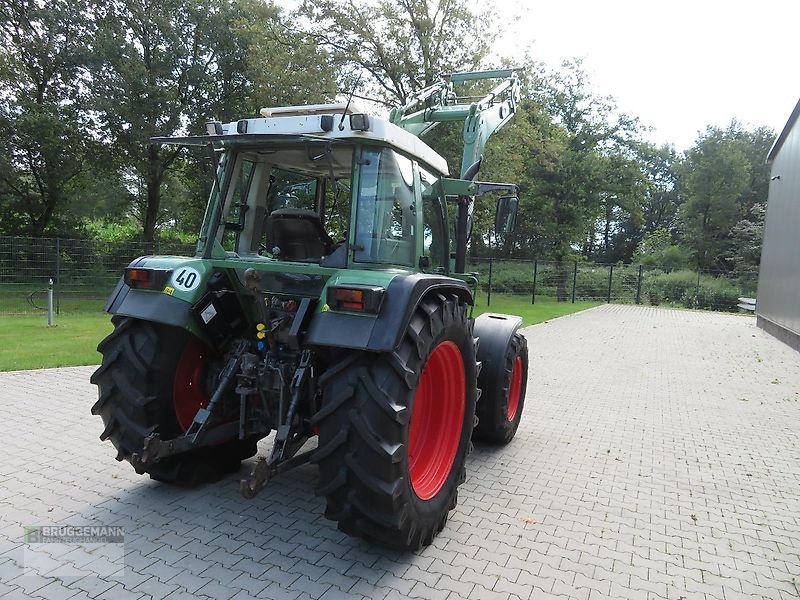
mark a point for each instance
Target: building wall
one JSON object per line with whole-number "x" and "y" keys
{"x": 778, "y": 304}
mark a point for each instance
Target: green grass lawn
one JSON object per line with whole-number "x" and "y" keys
{"x": 31, "y": 299}
{"x": 27, "y": 343}
{"x": 531, "y": 314}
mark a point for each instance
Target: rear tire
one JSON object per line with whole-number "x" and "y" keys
{"x": 499, "y": 411}
{"x": 389, "y": 474}
{"x": 136, "y": 398}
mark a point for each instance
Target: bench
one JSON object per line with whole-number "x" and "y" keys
{"x": 747, "y": 304}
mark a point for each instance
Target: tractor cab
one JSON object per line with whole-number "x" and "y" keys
{"x": 313, "y": 185}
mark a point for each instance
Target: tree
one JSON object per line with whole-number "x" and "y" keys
{"x": 580, "y": 170}
{"x": 661, "y": 200}
{"x": 755, "y": 144}
{"x": 747, "y": 238}
{"x": 263, "y": 63}
{"x": 618, "y": 228}
{"x": 748, "y": 234}
{"x": 657, "y": 249}
{"x": 401, "y": 45}
{"x": 717, "y": 183}
{"x": 167, "y": 68}
{"x": 526, "y": 152}
{"x": 161, "y": 71}
{"x": 714, "y": 174}
{"x": 44, "y": 125}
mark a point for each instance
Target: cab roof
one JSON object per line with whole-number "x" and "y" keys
{"x": 318, "y": 122}
{"x": 308, "y": 121}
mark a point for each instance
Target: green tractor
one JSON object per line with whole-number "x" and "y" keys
{"x": 327, "y": 298}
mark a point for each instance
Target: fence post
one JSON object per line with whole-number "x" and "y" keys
{"x": 50, "y": 302}
{"x": 639, "y": 287}
{"x": 574, "y": 280}
{"x": 610, "y": 276}
{"x": 58, "y": 276}
{"x": 489, "y": 293}
{"x": 697, "y": 289}
{"x": 533, "y": 291}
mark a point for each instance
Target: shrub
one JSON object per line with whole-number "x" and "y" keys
{"x": 713, "y": 293}
{"x": 511, "y": 277}
{"x": 682, "y": 288}
{"x": 592, "y": 283}
{"x": 671, "y": 258}
{"x": 669, "y": 287}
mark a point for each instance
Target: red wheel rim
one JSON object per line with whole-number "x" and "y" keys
{"x": 188, "y": 388}
{"x": 437, "y": 419}
{"x": 515, "y": 390}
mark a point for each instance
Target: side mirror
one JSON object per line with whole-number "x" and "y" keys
{"x": 505, "y": 217}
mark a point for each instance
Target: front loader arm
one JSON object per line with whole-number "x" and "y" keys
{"x": 439, "y": 103}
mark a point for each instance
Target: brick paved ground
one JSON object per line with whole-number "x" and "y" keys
{"x": 657, "y": 458}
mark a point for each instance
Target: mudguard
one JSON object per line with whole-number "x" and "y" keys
{"x": 494, "y": 332}
{"x": 384, "y": 332}
{"x": 149, "y": 305}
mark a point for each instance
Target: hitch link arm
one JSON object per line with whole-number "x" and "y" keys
{"x": 203, "y": 415}
{"x": 286, "y": 443}
{"x": 154, "y": 448}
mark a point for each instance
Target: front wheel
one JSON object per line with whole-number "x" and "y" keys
{"x": 503, "y": 392}
{"x": 395, "y": 429}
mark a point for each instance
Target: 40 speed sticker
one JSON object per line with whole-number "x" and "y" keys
{"x": 185, "y": 279}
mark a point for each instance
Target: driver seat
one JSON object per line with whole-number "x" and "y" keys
{"x": 299, "y": 234}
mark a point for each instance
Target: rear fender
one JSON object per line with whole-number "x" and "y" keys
{"x": 494, "y": 332}
{"x": 184, "y": 303}
{"x": 382, "y": 332}
{"x": 150, "y": 305}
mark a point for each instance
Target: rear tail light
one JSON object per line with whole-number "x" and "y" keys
{"x": 356, "y": 298}
{"x": 146, "y": 279}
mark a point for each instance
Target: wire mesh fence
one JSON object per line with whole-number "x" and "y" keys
{"x": 628, "y": 284}
{"x": 83, "y": 272}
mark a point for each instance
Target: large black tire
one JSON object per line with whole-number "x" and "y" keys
{"x": 499, "y": 411}
{"x": 135, "y": 388}
{"x": 366, "y": 417}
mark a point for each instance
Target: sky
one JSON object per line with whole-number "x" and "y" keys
{"x": 678, "y": 65}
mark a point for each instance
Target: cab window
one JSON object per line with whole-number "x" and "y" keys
{"x": 385, "y": 209}
{"x": 434, "y": 223}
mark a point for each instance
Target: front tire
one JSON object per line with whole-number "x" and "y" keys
{"x": 500, "y": 407}
{"x": 151, "y": 379}
{"x": 395, "y": 429}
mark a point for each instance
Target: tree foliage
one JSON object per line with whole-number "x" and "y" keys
{"x": 85, "y": 85}
{"x": 160, "y": 68}
{"x": 43, "y": 111}
{"x": 401, "y": 45}
{"x": 721, "y": 180}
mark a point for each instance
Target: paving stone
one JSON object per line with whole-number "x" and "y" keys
{"x": 55, "y": 591}
{"x": 120, "y": 593}
{"x": 275, "y": 592}
{"x": 420, "y": 590}
{"x": 214, "y": 589}
{"x": 92, "y": 586}
{"x": 189, "y": 581}
{"x": 156, "y": 589}
{"x": 308, "y": 586}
